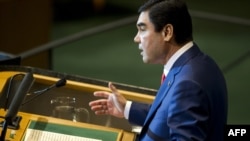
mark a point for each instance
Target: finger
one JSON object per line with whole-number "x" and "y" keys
{"x": 113, "y": 88}
{"x": 100, "y": 109}
{"x": 98, "y": 102}
{"x": 101, "y": 94}
{"x": 101, "y": 112}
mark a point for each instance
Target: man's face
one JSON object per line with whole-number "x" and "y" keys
{"x": 151, "y": 43}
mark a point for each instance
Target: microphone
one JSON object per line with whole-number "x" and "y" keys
{"x": 58, "y": 84}
{"x": 21, "y": 92}
{"x": 15, "y": 104}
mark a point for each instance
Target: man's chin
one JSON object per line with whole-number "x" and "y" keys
{"x": 146, "y": 61}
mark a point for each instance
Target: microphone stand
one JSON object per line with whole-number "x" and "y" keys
{"x": 9, "y": 123}
{"x": 4, "y": 128}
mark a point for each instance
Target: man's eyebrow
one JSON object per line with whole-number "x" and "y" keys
{"x": 141, "y": 24}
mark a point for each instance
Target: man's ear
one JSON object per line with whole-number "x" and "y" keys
{"x": 167, "y": 32}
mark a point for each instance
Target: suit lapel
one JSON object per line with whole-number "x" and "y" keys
{"x": 162, "y": 92}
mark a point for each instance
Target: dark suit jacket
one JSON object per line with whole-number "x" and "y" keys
{"x": 191, "y": 104}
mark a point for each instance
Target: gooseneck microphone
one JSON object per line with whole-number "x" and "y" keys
{"x": 12, "y": 120}
{"x": 15, "y": 104}
{"x": 58, "y": 84}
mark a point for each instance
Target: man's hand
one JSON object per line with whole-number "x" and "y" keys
{"x": 110, "y": 104}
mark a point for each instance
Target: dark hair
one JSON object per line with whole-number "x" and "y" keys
{"x": 174, "y": 12}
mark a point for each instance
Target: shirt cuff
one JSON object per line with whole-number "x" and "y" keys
{"x": 127, "y": 109}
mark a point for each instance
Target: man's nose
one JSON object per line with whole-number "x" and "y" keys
{"x": 136, "y": 38}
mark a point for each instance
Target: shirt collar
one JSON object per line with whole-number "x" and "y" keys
{"x": 175, "y": 56}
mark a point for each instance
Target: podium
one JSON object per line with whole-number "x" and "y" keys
{"x": 65, "y": 126}
{"x": 38, "y": 111}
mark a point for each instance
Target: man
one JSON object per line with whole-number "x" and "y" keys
{"x": 191, "y": 103}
